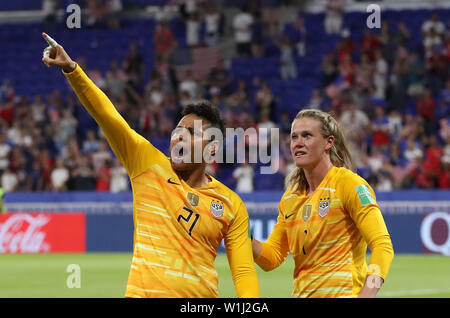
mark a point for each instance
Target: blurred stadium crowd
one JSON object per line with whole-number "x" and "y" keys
{"x": 388, "y": 87}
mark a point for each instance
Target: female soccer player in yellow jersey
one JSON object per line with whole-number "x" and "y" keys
{"x": 180, "y": 213}
{"x": 327, "y": 217}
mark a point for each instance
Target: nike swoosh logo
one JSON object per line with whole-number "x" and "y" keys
{"x": 170, "y": 181}
{"x": 288, "y": 216}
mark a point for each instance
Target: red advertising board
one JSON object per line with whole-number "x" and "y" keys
{"x": 42, "y": 232}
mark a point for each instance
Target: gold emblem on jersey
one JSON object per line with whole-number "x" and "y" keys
{"x": 324, "y": 206}
{"x": 216, "y": 209}
{"x": 193, "y": 198}
{"x": 306, "y": 213}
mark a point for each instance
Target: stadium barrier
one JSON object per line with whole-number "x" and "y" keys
{"x": 418, "y": 221}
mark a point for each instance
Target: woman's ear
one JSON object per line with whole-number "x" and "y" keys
{"x": 213, "y": 147}
{"x": 330, "y": 142}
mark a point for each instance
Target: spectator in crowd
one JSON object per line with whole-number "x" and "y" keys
{"x": 387, "y": 42}
{"x": 104, "y": 176}
{"x": 369, "y": 44}
{"x": 115, "y": 80}
{"x": 214, "y": 22}
{"x": 9, "y": 181}
{"x": 412, "y": 151}
{"x": 113, "y": 14}
{"x": 334, "y": 12}
{"x": 380, "y": 130}
{"x": 345, "y": 47}
{"x": 363, "y": 73}
{"x": 416, "y": 70}
{"x": 242, "y": 25}
{"x": 189, "y": 84}
{"x": 271, "y": 16}
{"x": 395, "y": 122}
{"x": 433, "y": 24}
{"x": 300, "y": 35}
{"x": 59, "y": 175}
{"x": 425, "y": 108}
{"x": 119, "y": 177}
{"x": 219, "y": 79}
{"x": 265, "y": 100}
{"x": 101, "y": 155}
{"x": 91, "y": 144}
{"x": 96, "y": 13}
{"x": 380, "y": 75}
{"x": 5, "y": 150}
{"x": 244, "y": 177}
{"x": 36, "y": 178}
{"x": 83, "y": 175}
{"x": 134, "y": 67}
{"x": 49, "y": 11}
{"x": 444, "y": 176}
{"x": 164, "y": 40}
{"x": 288, "y": 67}
{"x": 316, "y": 101}
{"x": 402, "y": 36}
{"x": 355, "y": 124}
{"x": 265, "y": 126}
{"x": 67, "y": 125}
{"x": 432, "y": 42}
{"x": 329, "y": 69}
{"x": 38, "y": 111}
{"x": 193, "y": 25}
{"x": 6, "y": 91}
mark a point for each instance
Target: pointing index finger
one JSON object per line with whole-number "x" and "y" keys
{"x": 49, "y": 40}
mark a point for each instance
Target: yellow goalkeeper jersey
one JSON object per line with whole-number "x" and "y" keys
{"x": 177, "y": 229}
{"x": 327, "y": 234}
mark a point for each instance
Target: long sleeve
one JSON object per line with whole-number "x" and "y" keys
{"x": 276, "y": 249}
{"x": 239, "y": 252}
{"x": 365, "y": 212}
{"x": 133, "y": 150}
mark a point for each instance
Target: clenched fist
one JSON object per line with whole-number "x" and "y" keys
{"x": 55, "y": 55}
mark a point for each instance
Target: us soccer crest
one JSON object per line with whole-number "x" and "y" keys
{"x": 193, "y": 198}
{"x": 216, "y": 209}
{"x": 306, "y": 212}
{"x": 324, "y": 206}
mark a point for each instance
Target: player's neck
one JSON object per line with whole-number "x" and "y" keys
{"x": 316, "y": 174}
{"x": 194, "y": 178}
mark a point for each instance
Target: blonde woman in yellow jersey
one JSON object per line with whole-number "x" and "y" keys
{"x": 327, "y": 218}
{"x": 180, "y": 213}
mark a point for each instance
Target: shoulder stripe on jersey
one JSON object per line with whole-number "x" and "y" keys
{"x": 155, "y": 212}
{"x": 349, "y": 261}
{"x": 328, "y": 189}
{"x": 208, "y": 269}
{"x": 330, "y": 289}
{"x": 332, "y": 241}
{"x": 336, "y": 274}
{"x": 184, "y": 275}
{"x": 152, "y": 186}
{"x": 147, "y": 235}
{"x": 211, "y": 284}
{"x": 138, "y": 260}
{"x": 222, "y": 196}
{"x": 148, "y": 248}
{"x": 152, "y": 206}
{"x": 290, "y": 196}
{"x": 146, "y": 290}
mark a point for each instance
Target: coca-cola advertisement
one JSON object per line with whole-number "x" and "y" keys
{"x": 42, "y": 232}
